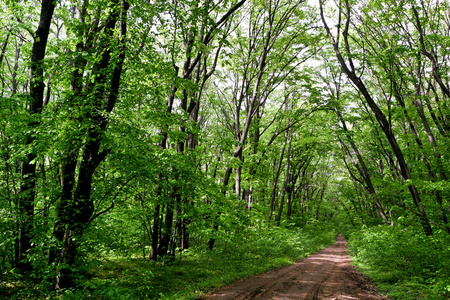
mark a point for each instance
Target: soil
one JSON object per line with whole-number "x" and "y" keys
{"x": 327, "y": 274}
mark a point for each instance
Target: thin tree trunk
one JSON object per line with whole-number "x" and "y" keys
{"x": 364, "y": 172}
{"x": 275, "y": 181}
{"x": 286, "y": 179}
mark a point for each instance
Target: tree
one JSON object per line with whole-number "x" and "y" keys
{"x": 349, "y": 69}
{"x": 37, "y": 86}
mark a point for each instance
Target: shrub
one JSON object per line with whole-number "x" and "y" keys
{"x": 404, "y": 257}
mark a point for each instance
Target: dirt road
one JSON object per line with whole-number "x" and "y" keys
{"x": 326, "y": 274}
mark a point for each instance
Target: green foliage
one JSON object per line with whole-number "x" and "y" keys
{"x": 405, "y": 263}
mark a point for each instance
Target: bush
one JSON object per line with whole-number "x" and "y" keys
{"x": 404, "y": 260}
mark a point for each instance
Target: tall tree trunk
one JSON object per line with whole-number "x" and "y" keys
{"x": 166, "y": 231}
{"x": 286, "y": 179}
{"x": 27, "y": 188}
{"x": 69, "y": 166}
{"x": 381, "y": 118}
{"x": 430, "y": 54}
{"x": 79, "y": 211}
{"x": 155, "y": 233}
{"x": 275, "y": 182}
{"x": 363, "y": 171}
{"x": 290, "y": 191}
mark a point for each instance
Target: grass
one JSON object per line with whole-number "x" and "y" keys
{"x": 402, "y": 262}
{"x": 188, "y": 275}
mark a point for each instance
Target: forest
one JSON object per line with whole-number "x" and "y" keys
{"x": 157, "y": 149}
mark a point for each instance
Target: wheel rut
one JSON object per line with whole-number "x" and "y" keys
{"x": 327, "y": 274}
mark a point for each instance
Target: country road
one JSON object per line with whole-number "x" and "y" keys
{"x": 326, "y": 274}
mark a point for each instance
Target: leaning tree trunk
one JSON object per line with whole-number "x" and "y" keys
{"x": 381, "y": 118}
{"x": 362, "y": 169}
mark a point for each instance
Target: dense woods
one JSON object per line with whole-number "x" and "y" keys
{"x": 157, "y": 129}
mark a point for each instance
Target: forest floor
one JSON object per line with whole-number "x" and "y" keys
{"x": 327, "y": 274}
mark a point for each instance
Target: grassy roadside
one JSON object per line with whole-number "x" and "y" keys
{"x": 402, "y": 262}
{"x": 189, "y": 274}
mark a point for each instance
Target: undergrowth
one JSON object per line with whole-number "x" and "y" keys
{"x": 244, "y": 253}
{"x": 403, "y": 262}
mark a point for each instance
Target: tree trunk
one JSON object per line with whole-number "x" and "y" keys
{"x": 286, "y": 179}
{"x": 166, "y": 231}
{"x": 381, "y": 118}
{"x": 275, "y": 181}
{"x": 27, "y": 188}
{"x": 79, "y": 211}
{"x": 155, "y": 233}
{"x": 364, "y": 172}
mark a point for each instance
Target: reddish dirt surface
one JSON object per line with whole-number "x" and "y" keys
{"x": 326, "y": 274}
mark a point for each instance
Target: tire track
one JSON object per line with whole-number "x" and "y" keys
{"x": 326, "y": 274}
